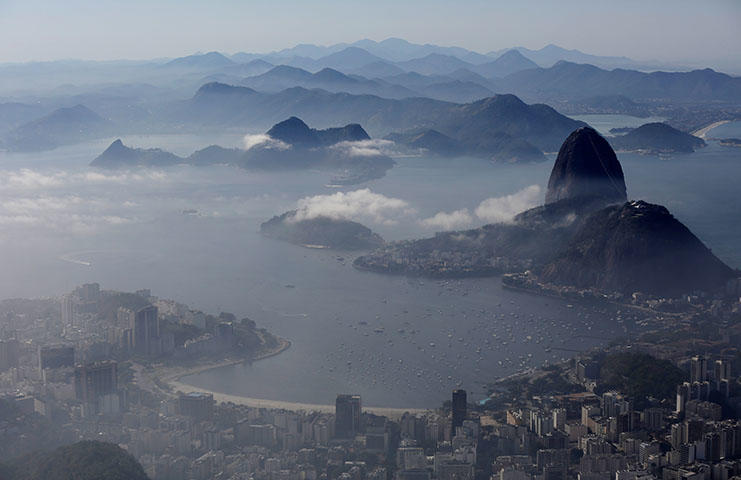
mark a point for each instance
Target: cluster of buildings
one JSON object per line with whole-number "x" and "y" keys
{"x": 188, "y": 436}
{"x": 71, "y": 370}
{"x": 73, "y": 360}
{"x": 724, "y": 304}
{"x": 594, "y": 434}
{"x": 440, "y": 262}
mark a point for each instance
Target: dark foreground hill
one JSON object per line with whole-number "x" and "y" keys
{"x": 637, "y": 247}
{"x": 321, "y": 232}
{"x": 86, "y": 460}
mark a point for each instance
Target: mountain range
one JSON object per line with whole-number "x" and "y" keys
{"x": 400, "y": 50}
{"x": 593, "y": 87}
{"x": 571, "y": 81}
{"x": 389, "y": 87}
{"x": 482, "y": 126}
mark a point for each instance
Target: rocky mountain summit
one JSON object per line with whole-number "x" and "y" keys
{"x": 586, "y": 167}
{"x": 295, "y": 132}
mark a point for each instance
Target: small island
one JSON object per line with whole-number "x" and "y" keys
{"x": 321, "y": 232}
{"x": 656, "y": 138}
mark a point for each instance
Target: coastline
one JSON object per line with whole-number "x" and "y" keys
{"x": 173, "y": 375}
{"x": 292, "y": 406}
{"x": 172, "y": 380}
{"x": 593, "y": 301}
{"x": 702, "y": 132}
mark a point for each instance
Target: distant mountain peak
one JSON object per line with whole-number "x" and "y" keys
{"x": 330, "y": 74}
{"x": 117, "y": 144}
{"x": 513, "y": 54}
{"x": 119, "y": 155}
{"x": 293, "y": 131}
{"x": 286, "y": 68}
{"x": 221, "y": 88}
{"x": 505, "y": 101}
{"x": 201, "y": 60}
{"x": 296, "y": 132}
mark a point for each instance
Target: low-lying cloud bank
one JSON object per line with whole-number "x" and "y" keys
{"x": 492, "y": 210}
{"x": 448, "y": 221}
{"x": 74, "y": 202}
{"x": 27, "y": 178}
{"x": 366, "y": 148}
{"x": 64, "y": 213}
{"x": 360, "y": 205}
{"x": 366, "y": 206}
{"x": 503, "y": 209}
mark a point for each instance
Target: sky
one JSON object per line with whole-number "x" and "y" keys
{"x": 664, "y": 30}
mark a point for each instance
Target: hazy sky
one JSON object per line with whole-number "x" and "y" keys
{"x": 667, "y": 30}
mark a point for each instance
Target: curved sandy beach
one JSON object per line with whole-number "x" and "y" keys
{"x": 702, "y": 133}
{"x": 172, "y": 379}
{"x": 294, "y": 406}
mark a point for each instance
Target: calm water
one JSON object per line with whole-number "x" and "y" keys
{"x": 397, "y": 341}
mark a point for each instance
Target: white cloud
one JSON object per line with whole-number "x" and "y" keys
{"x": 503, "y": 209}
{"x": 448, "y": 221}
{"x": 360, "y": 205}
{"x": 18, "y": 220}
{"x": 492, "y": 210}
{"x": 28, "y": 179}
{"x": 42, "y": 204}
{"x": 366, "y": 148}
{"x": 126, "y": 177}
{"x": 251, "y": 141}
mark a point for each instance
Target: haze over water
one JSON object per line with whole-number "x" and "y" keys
{"x": 128, "y": 231}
